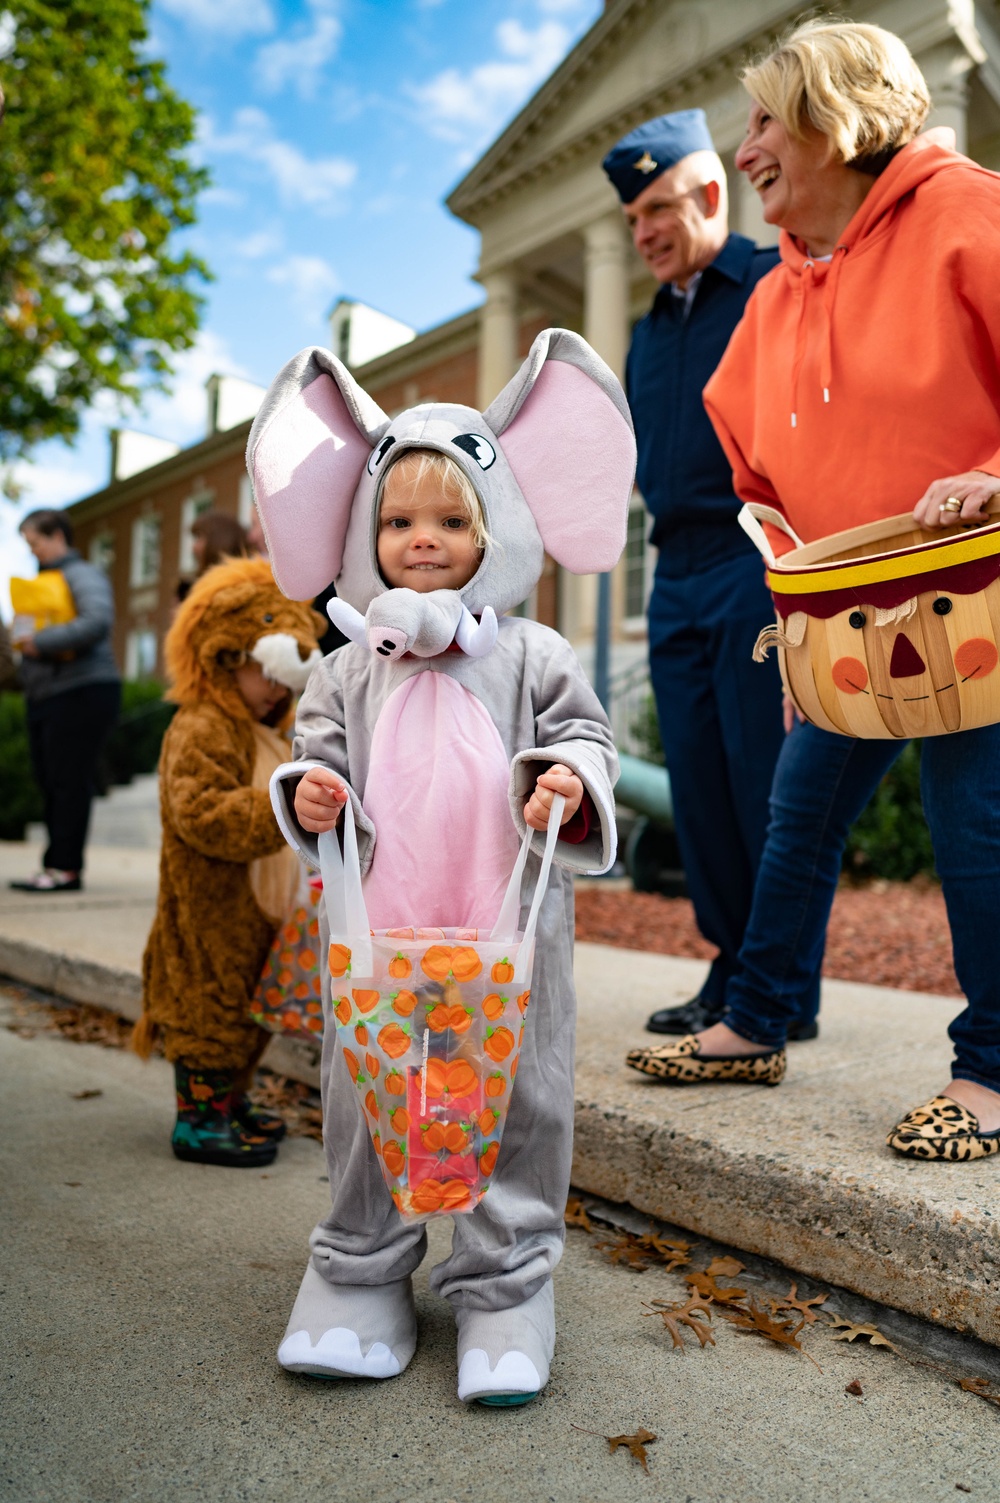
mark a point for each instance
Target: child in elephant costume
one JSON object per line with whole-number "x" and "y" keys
{"x": 450, "y": 725}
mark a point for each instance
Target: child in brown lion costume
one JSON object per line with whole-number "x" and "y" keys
{"x": 235, "y": 654}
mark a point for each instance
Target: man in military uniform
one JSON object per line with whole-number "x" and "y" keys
{"x": 719, "y": 712}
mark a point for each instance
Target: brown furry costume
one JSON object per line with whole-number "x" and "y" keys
{"x": 210, "y": 937}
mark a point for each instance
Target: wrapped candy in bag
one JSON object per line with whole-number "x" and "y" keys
{"x": 430, "y": 1022}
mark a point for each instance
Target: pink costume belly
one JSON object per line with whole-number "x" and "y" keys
{"x": 437, "y": 795}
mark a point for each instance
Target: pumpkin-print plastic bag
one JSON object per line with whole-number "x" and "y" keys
{"x": 430, "y": 1022}
{"x": 287, "y": 999}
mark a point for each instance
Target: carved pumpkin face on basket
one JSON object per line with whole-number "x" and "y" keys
{"x": 890, "y": 630}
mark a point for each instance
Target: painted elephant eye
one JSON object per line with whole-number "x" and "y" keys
{"x": 941, "y": 606}
{"x": 480, "y": 448}
{"x": 378, "y": 454}
{"x": 856, "y": 619}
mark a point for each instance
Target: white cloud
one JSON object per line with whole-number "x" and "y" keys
{"x": 478, "y": 101}
{"x": 225, "y": 18}
{"x": 181, "y": 414}
{"x": 310, "y": 280}
{"x": 299, "y": 59}
{"x": 315, "y": 182}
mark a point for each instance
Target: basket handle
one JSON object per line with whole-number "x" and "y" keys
{"x": 343, "y": 893}
{"x": 750, "y": 516}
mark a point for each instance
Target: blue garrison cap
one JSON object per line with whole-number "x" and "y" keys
{"x": 654, "y": 147}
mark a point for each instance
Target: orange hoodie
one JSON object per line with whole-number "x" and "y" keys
{"x": 851, "y": 384}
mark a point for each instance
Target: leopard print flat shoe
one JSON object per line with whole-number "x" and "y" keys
{"x": 943, "y": 1129}
{"x": 681, "y": 1064}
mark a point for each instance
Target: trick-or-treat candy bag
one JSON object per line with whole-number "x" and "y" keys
{"x": 430, "y": 1022}
{"x": 287, "y": 999}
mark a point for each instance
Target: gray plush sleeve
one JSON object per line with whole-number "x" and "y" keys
{"x": 570, "y": 727}
{"x": 320, "y": 741}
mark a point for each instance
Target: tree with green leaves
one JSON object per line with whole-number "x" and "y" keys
{"x": 95, "y": 177}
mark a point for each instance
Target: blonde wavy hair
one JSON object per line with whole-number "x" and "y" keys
{"x": 856, "y": 84}
{"x": 410, "y": 469}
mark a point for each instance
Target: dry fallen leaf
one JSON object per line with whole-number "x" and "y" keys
{"x": 576, "y": 1215}
{"x": 86, "y": 1095}
{"x": 804, "y": 1307}
{"x": 725, "y": 1268}
{"x": 636, "y": 1443}
{"x": 625, "y": 1249}
{"x": 694, "y": 1314}
{"x": 705, "y": 1285}
{"x": 981, "y": 1388}
{"x": 759, "y": 1323}
{"x": 851, "y": 1330}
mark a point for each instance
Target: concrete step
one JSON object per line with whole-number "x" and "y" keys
{"x": 799, "y": 1174}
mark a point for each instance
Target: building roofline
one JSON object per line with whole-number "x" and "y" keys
{"x": 208, "y": 450}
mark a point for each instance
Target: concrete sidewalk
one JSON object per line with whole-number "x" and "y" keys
{"x": 800, "y": 1174}
{"x": 144, "y": 1300}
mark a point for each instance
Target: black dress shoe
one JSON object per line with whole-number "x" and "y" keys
{"x": 697, "y": 1014}
{"x": 692, "y": 1017}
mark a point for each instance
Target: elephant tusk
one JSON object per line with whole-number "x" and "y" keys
{"x": 477, "y": 638}
{"x": 346, "y": 619}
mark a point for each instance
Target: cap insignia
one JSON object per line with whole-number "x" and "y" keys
{"x": 645, "y": 163}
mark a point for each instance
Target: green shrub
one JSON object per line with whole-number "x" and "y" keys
{"x": 132, "y": 748}
{"x": 20, "y": 798}
{"x": 889, "y": 840}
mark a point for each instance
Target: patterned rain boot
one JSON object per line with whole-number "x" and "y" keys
{"x": 207, "y": 1130}
{"x": 504, "y": 1355}
{"x": 257, "y": 1121}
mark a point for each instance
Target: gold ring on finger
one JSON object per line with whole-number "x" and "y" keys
{"x": 952, "y": 504}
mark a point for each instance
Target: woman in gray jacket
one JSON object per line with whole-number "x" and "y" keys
{"x": 73, "y": 689}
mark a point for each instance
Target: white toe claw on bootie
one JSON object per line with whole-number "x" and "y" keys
{"x": 349, "y": 1330}
{"x": 514, "y": 1373}
{"x": 505, "y": 1354}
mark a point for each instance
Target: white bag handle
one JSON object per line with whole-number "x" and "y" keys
{"x": 750, "y": 516}
{"x": 343, "y": 894}
{"x": 505, "y": 928}
{"x": 348, "y": 914}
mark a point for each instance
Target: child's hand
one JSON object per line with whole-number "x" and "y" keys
{"x": 319, "y": 799}
{"x": 558, "y": 779}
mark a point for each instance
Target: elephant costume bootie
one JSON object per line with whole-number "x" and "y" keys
{"x": 208, "y": 1130}
{"x": 504, "y": 1355}
{"x": 349, "y": 1330}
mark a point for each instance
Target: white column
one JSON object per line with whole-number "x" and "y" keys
{"x": 497, "y": 334}
{"x": 606, "y": 252}
{"x": 946, "y": 69}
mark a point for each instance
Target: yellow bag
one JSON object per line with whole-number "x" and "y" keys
{"x": 46, "y": 600}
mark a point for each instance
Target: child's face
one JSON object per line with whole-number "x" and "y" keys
{"x": 260, "y": 694}
{"x": 424, "y": 541}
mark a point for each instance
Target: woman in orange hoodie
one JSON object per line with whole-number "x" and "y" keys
{"x": 864, "y": 380}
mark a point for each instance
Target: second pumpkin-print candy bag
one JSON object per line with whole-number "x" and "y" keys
{"x": 430, "y": 1022}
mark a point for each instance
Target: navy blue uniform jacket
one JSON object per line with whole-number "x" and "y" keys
{"x": 683, "y": 474}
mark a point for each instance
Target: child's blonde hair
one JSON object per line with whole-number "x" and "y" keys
{"x": 411, "y": 468}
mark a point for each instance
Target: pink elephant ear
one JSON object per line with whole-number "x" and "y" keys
{"x": 565, "y": 429}
{"x": 307, "y": 452}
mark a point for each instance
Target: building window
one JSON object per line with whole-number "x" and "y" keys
{"x": 244, "y": 511}
{"x": 145, "y": 569}
{"x": 140, "y": 653}
{"x": 634, "y": 564}
{"x": 193, "y": 508}
{"x": 101, "y": 552}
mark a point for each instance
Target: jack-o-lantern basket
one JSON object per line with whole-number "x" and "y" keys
{"x": 888, "y": 630}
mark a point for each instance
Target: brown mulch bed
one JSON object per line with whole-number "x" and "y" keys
{"x": 885, "y": 933}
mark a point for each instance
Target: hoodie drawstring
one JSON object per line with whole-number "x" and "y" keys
{"x": 828, "y": 297}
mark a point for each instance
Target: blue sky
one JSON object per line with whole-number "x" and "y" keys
{"x": 332, "y": 129}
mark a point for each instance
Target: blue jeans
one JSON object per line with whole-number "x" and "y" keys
{"x": 720, "y": 722}
{"x": 821, "y": 784}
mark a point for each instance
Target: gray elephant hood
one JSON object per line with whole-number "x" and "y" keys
{"x": 552, "y": 460}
